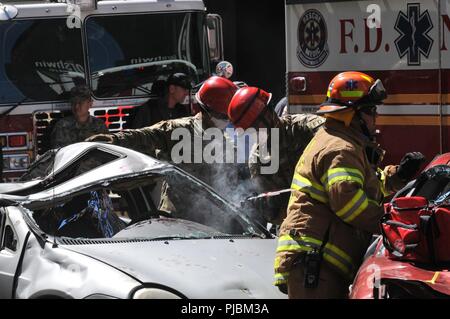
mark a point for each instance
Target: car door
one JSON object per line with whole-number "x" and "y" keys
{"x": 9, "y": 254}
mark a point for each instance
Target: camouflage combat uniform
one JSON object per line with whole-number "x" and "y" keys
{"x": 68, "y": 130}
{"x": 295, "y": 132}
{"x": 157, "y": 141}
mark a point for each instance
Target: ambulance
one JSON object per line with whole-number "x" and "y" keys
{"x": 403, "y": 43}
{"x": 118, "y": 48}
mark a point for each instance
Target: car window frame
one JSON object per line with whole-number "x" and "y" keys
{"x": 2, "y": 226}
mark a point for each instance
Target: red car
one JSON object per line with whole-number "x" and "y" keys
{"x": 383, "y": 276}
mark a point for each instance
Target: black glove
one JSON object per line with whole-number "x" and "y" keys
{"x": 409, "y": 165}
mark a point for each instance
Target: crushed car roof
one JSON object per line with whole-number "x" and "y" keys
{"x": 90, "y": 164}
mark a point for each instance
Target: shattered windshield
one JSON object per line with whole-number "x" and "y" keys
{"x": 128, "y": 53}
{"x": 164, "y": 205}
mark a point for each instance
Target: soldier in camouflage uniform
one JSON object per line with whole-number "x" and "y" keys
{"x": 81, "y": 125}
{"x": 247, "y": 109}
{"x": 157, "y": 140}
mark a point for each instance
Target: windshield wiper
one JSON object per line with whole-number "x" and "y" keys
{"x": 221, "y": 236}
{"x": 179, "y": 237}
{"x": 255, "y": 234}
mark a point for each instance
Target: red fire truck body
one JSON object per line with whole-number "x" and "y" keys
{"x": 119, "y": 48}
{"x": 404, "y": 43}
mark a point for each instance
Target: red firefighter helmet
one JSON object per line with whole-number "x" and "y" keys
{"x": 215, "y": 94}
{"x": 352, "y": 90}
{"x": 247, "y": 105}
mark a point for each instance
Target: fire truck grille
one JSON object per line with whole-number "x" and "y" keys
{"x": 43, "y": 123}
{"x": 116, "y": 118}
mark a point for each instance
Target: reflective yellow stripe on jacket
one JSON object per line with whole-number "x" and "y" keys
{"x": 359, "y": 202}
{"x": 280, "y": 278}
{"x": 354, "y": 207}
{"x": 314, "y": 190}
{"x": 335, "y": 175}
{"x": 297, "y": 244}
{"x": 383, "y": 182}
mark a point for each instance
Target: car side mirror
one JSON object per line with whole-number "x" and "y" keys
{"x": 215, "y": 37}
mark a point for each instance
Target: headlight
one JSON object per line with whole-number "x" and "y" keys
{"x": 16, "y": 162}
{"x": 154, "y": 293}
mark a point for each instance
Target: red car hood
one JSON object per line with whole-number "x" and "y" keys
{"x": 379, "y": 268}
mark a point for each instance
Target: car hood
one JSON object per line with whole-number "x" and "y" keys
{"x": 379, "y": 267}
{"x": 200, "y": 268}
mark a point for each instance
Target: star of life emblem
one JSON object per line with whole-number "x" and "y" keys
{"x": 312, "y": 49}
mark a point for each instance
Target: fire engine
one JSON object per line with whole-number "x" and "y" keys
{"x": 118, "y": 48}
{"x": 403, "y": 43}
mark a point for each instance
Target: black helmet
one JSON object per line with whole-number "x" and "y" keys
{"x": 79, "y": 94}
{"x": 179, "y": 79}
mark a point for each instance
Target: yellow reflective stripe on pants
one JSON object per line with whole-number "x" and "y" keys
{"x": 335, "y": 262}
{"x": 338, "y": 258}
{"x": 354, "y": 207}
{"x": 335, "y": 175}
{"x": 314, "y": 190}
{"x": 280, "y": 278}
{"x": 383, "y": 182}
{"x": 295, "y": 244}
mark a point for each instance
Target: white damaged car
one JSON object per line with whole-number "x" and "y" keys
{"x": 107, "y": 222}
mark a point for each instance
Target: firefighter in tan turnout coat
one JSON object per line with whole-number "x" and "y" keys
{"x": 338, "y": 192}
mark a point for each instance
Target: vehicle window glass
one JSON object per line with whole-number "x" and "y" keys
{"x": 42, "y": 59}
{"x": 124, "y": 65}
{"x": 42, "y": 168}
{"x": 184, "y": 209}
